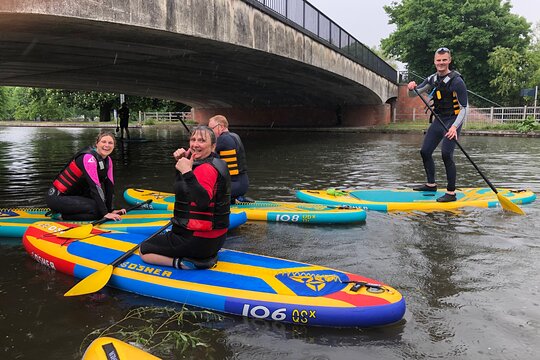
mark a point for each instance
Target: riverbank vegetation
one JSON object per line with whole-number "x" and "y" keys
{"x": 22, "y": 103}
{"x": 526, "y": 126}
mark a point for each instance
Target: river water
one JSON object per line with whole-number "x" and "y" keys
{"x": 470, "y": 278}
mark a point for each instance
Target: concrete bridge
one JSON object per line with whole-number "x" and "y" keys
{"x": 218, "y": 56}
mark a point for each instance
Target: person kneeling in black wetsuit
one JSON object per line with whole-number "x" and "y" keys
{"x": 201, "y": 209}
{"x": 84, "y": 189}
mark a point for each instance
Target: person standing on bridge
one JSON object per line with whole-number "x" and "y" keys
{"x": 229, "y": 147}
{"x": 123, "y": 114}
{"x": 449, "y": 94}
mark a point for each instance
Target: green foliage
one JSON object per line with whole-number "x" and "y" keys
{"x": 525, "y": 126}
{"x": 158, "y": 330}
{"x": 88, "y": 100}
{"x": 471, "y": 29}
{"x": 91, "y": 100}
{"x": 50, "y": 104}
{"x": 511, "y": 71}
{"x": 528, "y": 125}
{"x": 534, "y": 78}
{"x": 3, "y": 103}
{"x": 35, "y": 103}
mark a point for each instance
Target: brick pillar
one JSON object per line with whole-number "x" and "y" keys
{"x": 407, "y": 106}
{"x": 300, "y": 116}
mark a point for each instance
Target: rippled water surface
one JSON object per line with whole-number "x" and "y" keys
{"x": 470, "y": 278}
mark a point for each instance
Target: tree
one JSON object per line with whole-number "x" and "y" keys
{"x": 3, "y": 103}
{"x": 511, "y": 73}
{"x": 535, "y": 56}
{"x": 106, "y": 102}
{"x": 472, "y": 29}
{"x": 37, "y": 103}
{"x": 89, "y": 100}
{"x": 22, "y": 103}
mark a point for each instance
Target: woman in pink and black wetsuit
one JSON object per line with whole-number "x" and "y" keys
{"x": 84, "y": 189}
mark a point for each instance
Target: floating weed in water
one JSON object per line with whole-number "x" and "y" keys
{"x": 159, "y": 330}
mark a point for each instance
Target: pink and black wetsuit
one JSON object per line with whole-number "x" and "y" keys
{"x": 84, "y": 189}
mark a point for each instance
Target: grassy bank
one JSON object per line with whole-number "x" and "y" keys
{"x": 516, "y": 129}
{"x": 525, "y": 128}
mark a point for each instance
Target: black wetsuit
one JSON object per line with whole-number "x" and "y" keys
{"x": 84, "y": 189}
{"x": 123, "y": 114}
{"x": 449, "y": 94}
{"x": 201, "y": 213}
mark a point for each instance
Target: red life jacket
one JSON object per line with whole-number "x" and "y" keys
{"x": 187, "y": 214}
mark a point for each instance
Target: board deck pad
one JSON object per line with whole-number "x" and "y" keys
{"x": 410, "y": 200}
{"x": 243, "y": 284}
{"x": 274, "y": 211}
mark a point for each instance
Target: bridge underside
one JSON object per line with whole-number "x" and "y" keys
{"x": 76, "y": 54}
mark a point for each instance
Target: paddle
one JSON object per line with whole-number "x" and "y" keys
{"x": 97, "y": 280}
{"x": 183, "y": 123}
{"x": 83, "y": 231}
{"x": 505, "y": 202}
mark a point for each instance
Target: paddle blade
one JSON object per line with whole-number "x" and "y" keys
{"x": 92, "y": 283}
{"x": 78, "y": 232}
{"x": 509, "y": 205}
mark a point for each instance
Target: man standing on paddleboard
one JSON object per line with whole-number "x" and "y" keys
{"x": 123, "y": 114}
{"x": 449, "y": 94}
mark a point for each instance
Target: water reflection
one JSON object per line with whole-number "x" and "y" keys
{"x": 469, "y": 277}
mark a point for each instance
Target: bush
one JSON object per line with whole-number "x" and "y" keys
{"x": 528, "y": 125}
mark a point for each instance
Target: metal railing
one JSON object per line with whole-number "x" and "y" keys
{"x": 502, "y": 115}
{"x": 164, "y": 116}
{"x": 483, "y": 116}
{"x": 309, "y": 20}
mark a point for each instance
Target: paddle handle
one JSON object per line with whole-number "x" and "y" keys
{"x": 127, "y": 254}
{"x": 183, "y": 123}
{"x": 104, "y": 220}
{"x": 457, "y": 143}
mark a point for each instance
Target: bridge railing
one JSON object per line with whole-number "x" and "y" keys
{"x": 306, "y": 18}
{"x": 483, "y": 116}
{"x": 164, "y": 116}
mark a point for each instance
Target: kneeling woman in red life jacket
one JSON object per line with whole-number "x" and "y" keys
{"x": 201, "y": 209}
{"x": 84, "y": 189}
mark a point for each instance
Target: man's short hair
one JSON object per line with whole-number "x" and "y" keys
{"x": 220, "y": 119}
